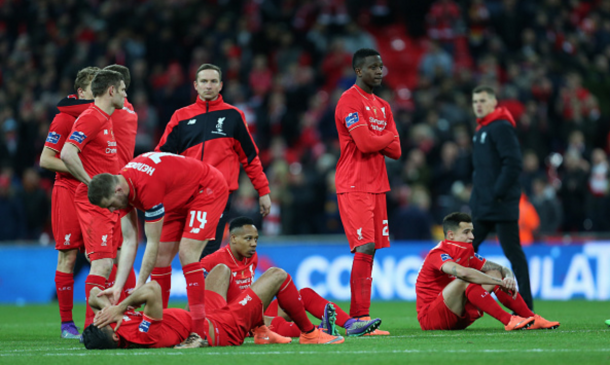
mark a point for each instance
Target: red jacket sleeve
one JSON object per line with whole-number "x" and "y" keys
{"x": 248, "y": 157}
{"x": 170, "y": 141}
{"x": 393, "y": 150}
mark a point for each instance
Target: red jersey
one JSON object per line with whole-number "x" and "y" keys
{"x": 358, "y": 171}
{"x": 431, "y": 280}
{"x": 138, "y": 330}
{"x": 125, "y": 124}
{"x": 243, "y": 271}
{"x": 92, "y": 134}
{"x": 162, "y": 182}
{"x": 216, "y": 133}
{"x": 70, "y": 108}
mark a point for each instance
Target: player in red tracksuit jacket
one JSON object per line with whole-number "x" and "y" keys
{"x": 215, "y": 132}
{"x": 66, "y": 230}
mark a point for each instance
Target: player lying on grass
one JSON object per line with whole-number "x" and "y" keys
{"x": 226, "y": 324}
{"x": 454, "y": 285}
{"x": 241, "y": 257}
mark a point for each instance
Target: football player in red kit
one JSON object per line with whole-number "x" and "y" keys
{"x": 367, "y": 135}
{"x": 91, "y": 149}
{"x": 226, "y": 323}
{"x": 241, "y": 257}
{"x": 454, "y": 285}
{"x": 66, "y": 230}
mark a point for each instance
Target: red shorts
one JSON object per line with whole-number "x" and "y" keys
{"x": 66, "y": 229}
{"x": 199, "y": 217}
{"x": 436, "y": 316}
{"x": 97, "y": 225}
{"x": 365, "y": 219}
{"x": 234, "y": 320}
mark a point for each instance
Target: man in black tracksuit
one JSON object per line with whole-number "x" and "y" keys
{"x": 497, "y": 162}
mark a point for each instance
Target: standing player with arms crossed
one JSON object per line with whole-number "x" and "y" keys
{"x": 214, "y": 132}
{"x": 241, "y": 258}
{"x": 367, "y": 134}
{"x": 66, "y": 230}
{"x": 454, "y": 285}
{"x": 91, "y": 149}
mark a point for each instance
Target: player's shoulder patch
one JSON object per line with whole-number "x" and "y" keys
{"x": 53, "y": 137}
{"x": 351, "y": 119}
{"x": 78, "y": 137}
{"x": 445, "y": 257}
{"x": 144, "y": 326}
{"x": 478, "y": 256}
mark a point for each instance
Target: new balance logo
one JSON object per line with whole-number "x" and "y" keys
{"x": 67, "y": 238}
{"x": 245, "y": 300}
{"x": 104, "y": 239}
{"x": 191, "y": 122}
{"x": 359, "y": 233}
{"x": 195, "y": 230}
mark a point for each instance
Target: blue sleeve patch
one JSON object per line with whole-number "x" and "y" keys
{"x": 155, "y": 213}
{"x": 446, "y": 257}
{"x": 479, "y": 256}
{"x": 351, "y": 119}
{"x": 53, "y": 137}
{"x": 78, "y": 137}
{"x": 144, "y": 326}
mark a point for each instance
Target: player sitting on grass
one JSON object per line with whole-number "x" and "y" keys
{"x": 454, "y": 285}
{"x": 227, "y": 324}
{"x": 241, "y": 257}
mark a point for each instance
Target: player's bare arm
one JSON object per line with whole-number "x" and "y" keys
{"x": 153, "y": 236}
{"x": 149, "y": 295}
{"x": 505, "y": 271}
{"x": 50, "y": 161}
{"x": 470, "y": 275}
{"x": 69, "y": 156}
{"x": 127, "y": 256}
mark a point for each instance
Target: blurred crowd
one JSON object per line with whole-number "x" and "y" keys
{"x": 286, "y": 63}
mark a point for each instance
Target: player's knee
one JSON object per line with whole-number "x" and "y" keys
{"x": 66, "y": 260}
{"x": 220, "y": 270}
{"x": 101, "y": 267}
{"x": 367, "y": 249}
{"x": 277, "y": 274}
{"x": 154, "y": 286}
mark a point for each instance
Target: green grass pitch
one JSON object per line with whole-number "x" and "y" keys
{"x": 30, "y": 335}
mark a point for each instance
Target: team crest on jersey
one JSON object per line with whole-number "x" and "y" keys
{"x": 351, "y": 119}
{"x": 144, "y": 326}
{"x": 53, "y": 137}
{"x": 446, "y": 257}
{"x": 78, "y": 137}
{"x": 219, "y": 126}
{"x": 245, "y": 301}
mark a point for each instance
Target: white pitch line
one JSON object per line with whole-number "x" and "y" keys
{"x": 266, "y": 353}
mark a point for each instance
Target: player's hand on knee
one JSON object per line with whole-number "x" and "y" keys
{"x": 509, "y": 285}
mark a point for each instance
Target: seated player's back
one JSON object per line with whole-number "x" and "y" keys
{"x": 173, "y": 178}
{"x": 137, "y": 330}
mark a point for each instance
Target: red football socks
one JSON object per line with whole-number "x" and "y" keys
{"x": 485, "y": 302}
{"x": 91, "y": 282}
{"x": 314, "y": 304}
{"x": 360, "y": 284}
{"x": 284, "y": 328}
{"x": 195, "y": 290}
{"x": 516, "y": 305}
{"x": 163, "y": 276}
{"x": 64, "y": 284}
{"x": 290, "y": 301}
